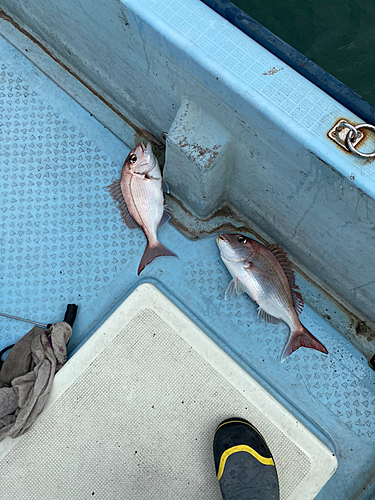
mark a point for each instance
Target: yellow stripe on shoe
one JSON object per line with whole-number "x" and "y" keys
{"x": 235, "y": 449}
{"x": 234, "y": 421}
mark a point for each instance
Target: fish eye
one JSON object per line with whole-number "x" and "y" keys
{"x": 132, "y": 158}
{"x": 242, "y": 239}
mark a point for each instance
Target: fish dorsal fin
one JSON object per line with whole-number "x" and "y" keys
{"x": 286, "y": 265}
{"x": 165, "y": 218}
{"x": 116, "y": 193}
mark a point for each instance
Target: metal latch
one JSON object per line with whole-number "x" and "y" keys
{"x": 348, "y": 136}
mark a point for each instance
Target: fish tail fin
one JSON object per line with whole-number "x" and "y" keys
{"x": 153, "y": 251}
{"x": 302, "y": 338}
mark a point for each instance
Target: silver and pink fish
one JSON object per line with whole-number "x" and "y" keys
{"x": 140, "y": 197}
{"x": 266, "y": 275}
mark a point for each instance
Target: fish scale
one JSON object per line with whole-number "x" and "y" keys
{"x": 141, "y": 196}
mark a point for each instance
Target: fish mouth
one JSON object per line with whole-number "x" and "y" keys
{"x": 223, "y": 237}
{"x": 146, "y": 148}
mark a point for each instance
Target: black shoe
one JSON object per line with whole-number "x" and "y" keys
{"x": 244, "y": 465}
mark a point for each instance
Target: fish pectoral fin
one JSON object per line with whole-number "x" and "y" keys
{"x": 267, "y": 317}
{"x": 165, "y": 218}
{"x": 234, "y": 288}
{"x": 115, "y": 190}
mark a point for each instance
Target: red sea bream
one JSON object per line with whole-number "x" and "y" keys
{"x": 140, "y": 197}
{"x": 265, "y": 274}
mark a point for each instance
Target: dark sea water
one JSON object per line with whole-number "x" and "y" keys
{"x": 338, "y": 35}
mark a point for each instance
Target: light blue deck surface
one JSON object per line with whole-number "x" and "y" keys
{"x": 148, "y": 57}
{"x": 62, "y": 240}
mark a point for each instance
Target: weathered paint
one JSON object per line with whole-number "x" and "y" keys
{"x": 198, "y": 156}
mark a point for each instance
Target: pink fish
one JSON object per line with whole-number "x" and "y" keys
{"x": 140, "y": 197}
{"x": 265, "y": 274}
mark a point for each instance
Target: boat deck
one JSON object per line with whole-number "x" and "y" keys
{"x": 63, "y": 241}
